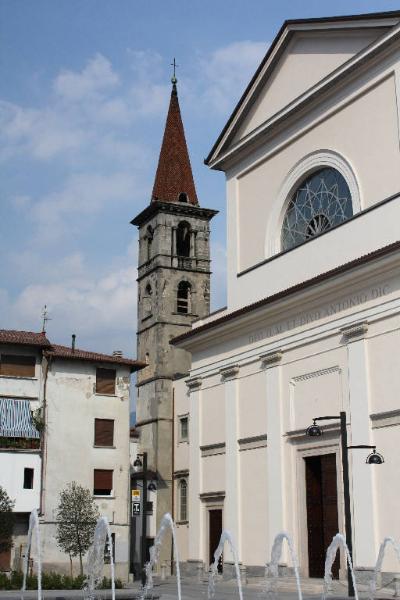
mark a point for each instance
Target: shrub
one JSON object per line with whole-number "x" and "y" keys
{"x": 50, "y": 581}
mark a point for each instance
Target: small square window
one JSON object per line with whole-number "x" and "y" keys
{"x": 104, "y": 432}
{"x": 28, "y": 478}
{"x": 102, "y": 482}
{"x": 105, "y": 381}
{"x": 183, "y": 428}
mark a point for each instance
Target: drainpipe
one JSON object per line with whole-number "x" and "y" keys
{"x": 43, "y": 441}
{"x": 172, "y": 474}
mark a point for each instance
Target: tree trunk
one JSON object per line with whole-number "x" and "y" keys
{"x": 70, "y": 566}
{"x": 81, "y": 563}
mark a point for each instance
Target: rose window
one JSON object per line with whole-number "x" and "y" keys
{"x": 322, "y": 201}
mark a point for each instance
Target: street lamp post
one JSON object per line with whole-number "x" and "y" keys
{"x": 374, "y": 458}
{"x": 151, "y": 487}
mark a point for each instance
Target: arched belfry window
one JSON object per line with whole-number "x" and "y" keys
{"x": 183, "y": 197}
{"x": 149, "y": 241}
{"x": 183, "y": 304}
{"x": 183, "y": 512}
{"x": 147, "y": 301}
{"x": 183, "y": 239}
{"x": 320, "y": 202}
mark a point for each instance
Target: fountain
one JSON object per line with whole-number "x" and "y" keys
{"x": 167, "y": 522}
{"x": 33, "y": 525}
{"x": 225, "y": 537}
{"x": 379, "y": 561}
{"x": 272, "y": 567}
{"x": 95, "y": 562}
{"x": 337, "y": 541}
{"x": 102, "y": 534}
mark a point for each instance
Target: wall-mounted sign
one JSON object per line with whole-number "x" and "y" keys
{"x": 135, "y": 509}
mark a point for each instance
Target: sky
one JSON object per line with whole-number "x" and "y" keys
{"x": 84, "y": 92}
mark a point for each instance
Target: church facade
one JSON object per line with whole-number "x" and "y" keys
{"x": 312, "y": 325}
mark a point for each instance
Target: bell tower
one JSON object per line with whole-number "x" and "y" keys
{"x": 173, "y": 291}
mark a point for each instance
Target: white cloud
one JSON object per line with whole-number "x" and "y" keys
{"x": 227, "y": 71}
{"x": 98, "y": 305}
{"x": 40, "y": 133}
{"x": 97, "y": 76}
{"x": 82, "y": 196}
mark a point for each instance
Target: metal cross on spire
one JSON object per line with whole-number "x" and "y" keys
{"x": 173, "y": 78}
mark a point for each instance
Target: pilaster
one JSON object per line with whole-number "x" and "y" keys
{"x": 195, "y": 470}
{"x": 362, "y": 475}
{"x": 275, "y": 452}
{"x": 232, "y": 465}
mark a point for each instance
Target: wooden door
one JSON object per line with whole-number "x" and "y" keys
{"x": 322, "y": 514}
{"x": 5, "y": 559}
{"x": 215, "y": 530}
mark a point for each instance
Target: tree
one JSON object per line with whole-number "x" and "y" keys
{"x": 77, "y": 514}
{"x": 6, "y": 520}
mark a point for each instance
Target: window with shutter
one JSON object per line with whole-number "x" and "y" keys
{"x": 102, "y": 482}
{"x": 13, "y": 365}
{"x": 105, "y": 381}
{"x": 103, "y": 432}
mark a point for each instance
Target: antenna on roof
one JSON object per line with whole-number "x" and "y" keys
{"x": 45, "y": 318}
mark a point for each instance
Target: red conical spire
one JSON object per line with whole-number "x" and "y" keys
{"x": 174, "y": 174}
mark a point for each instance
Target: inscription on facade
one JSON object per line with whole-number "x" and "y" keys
{"x": 329, "y": 310}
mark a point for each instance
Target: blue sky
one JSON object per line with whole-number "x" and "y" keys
{"x": 83, "y": 100}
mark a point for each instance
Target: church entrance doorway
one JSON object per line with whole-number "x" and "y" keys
{"x": 214, "y": 534}
{"x": 322, "y": 511}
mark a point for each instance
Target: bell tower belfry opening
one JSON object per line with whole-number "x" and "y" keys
{"x": 173, "y": 290}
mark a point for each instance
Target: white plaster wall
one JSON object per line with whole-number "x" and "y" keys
{"x": 181, "y": 408}
{"x": 212, "y": 415}
{"x": 309, "y": 57}
{"x": 252, "y": 406}
{"x": 387, "y": 489}
{"x": 12, "y": 465}
{"x": 182, "y": 536}
{"x": 72, "y": 406}
{"x": 254, "y": 506}
{"x": 213, "y": 470}
{"x": 383, "y": 348}
{"x": 372, "y": 147}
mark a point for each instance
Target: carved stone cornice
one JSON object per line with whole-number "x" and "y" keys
{"x": 194, "y": 383}
{"x": 271, "y": 359}
{"x": 229, "y": 372}
{"x": 354, "y": 331}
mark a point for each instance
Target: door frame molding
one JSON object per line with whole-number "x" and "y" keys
{"x": 215, "y": 503}
{"x": 306, "y": 448}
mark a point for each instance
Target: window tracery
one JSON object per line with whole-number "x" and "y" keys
{"x": 320, "y": 202}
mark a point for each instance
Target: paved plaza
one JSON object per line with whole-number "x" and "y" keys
{"x": 225, "y": 590}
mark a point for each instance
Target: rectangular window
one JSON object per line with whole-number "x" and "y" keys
{"x": 104, "y": 432}
{"x": 12, "y": 365}
{"x": 102, "y": 482}
{"x": 149, "y": 508}
{"x": 28, "y": 478}
{"x": 105, "y": 381}
{"x": 183, "y": 428}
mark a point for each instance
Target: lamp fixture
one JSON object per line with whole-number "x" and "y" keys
{"x": 375, "y": 458}
{"x": 137, "y": 463}
{"x": 314, "y": 430}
